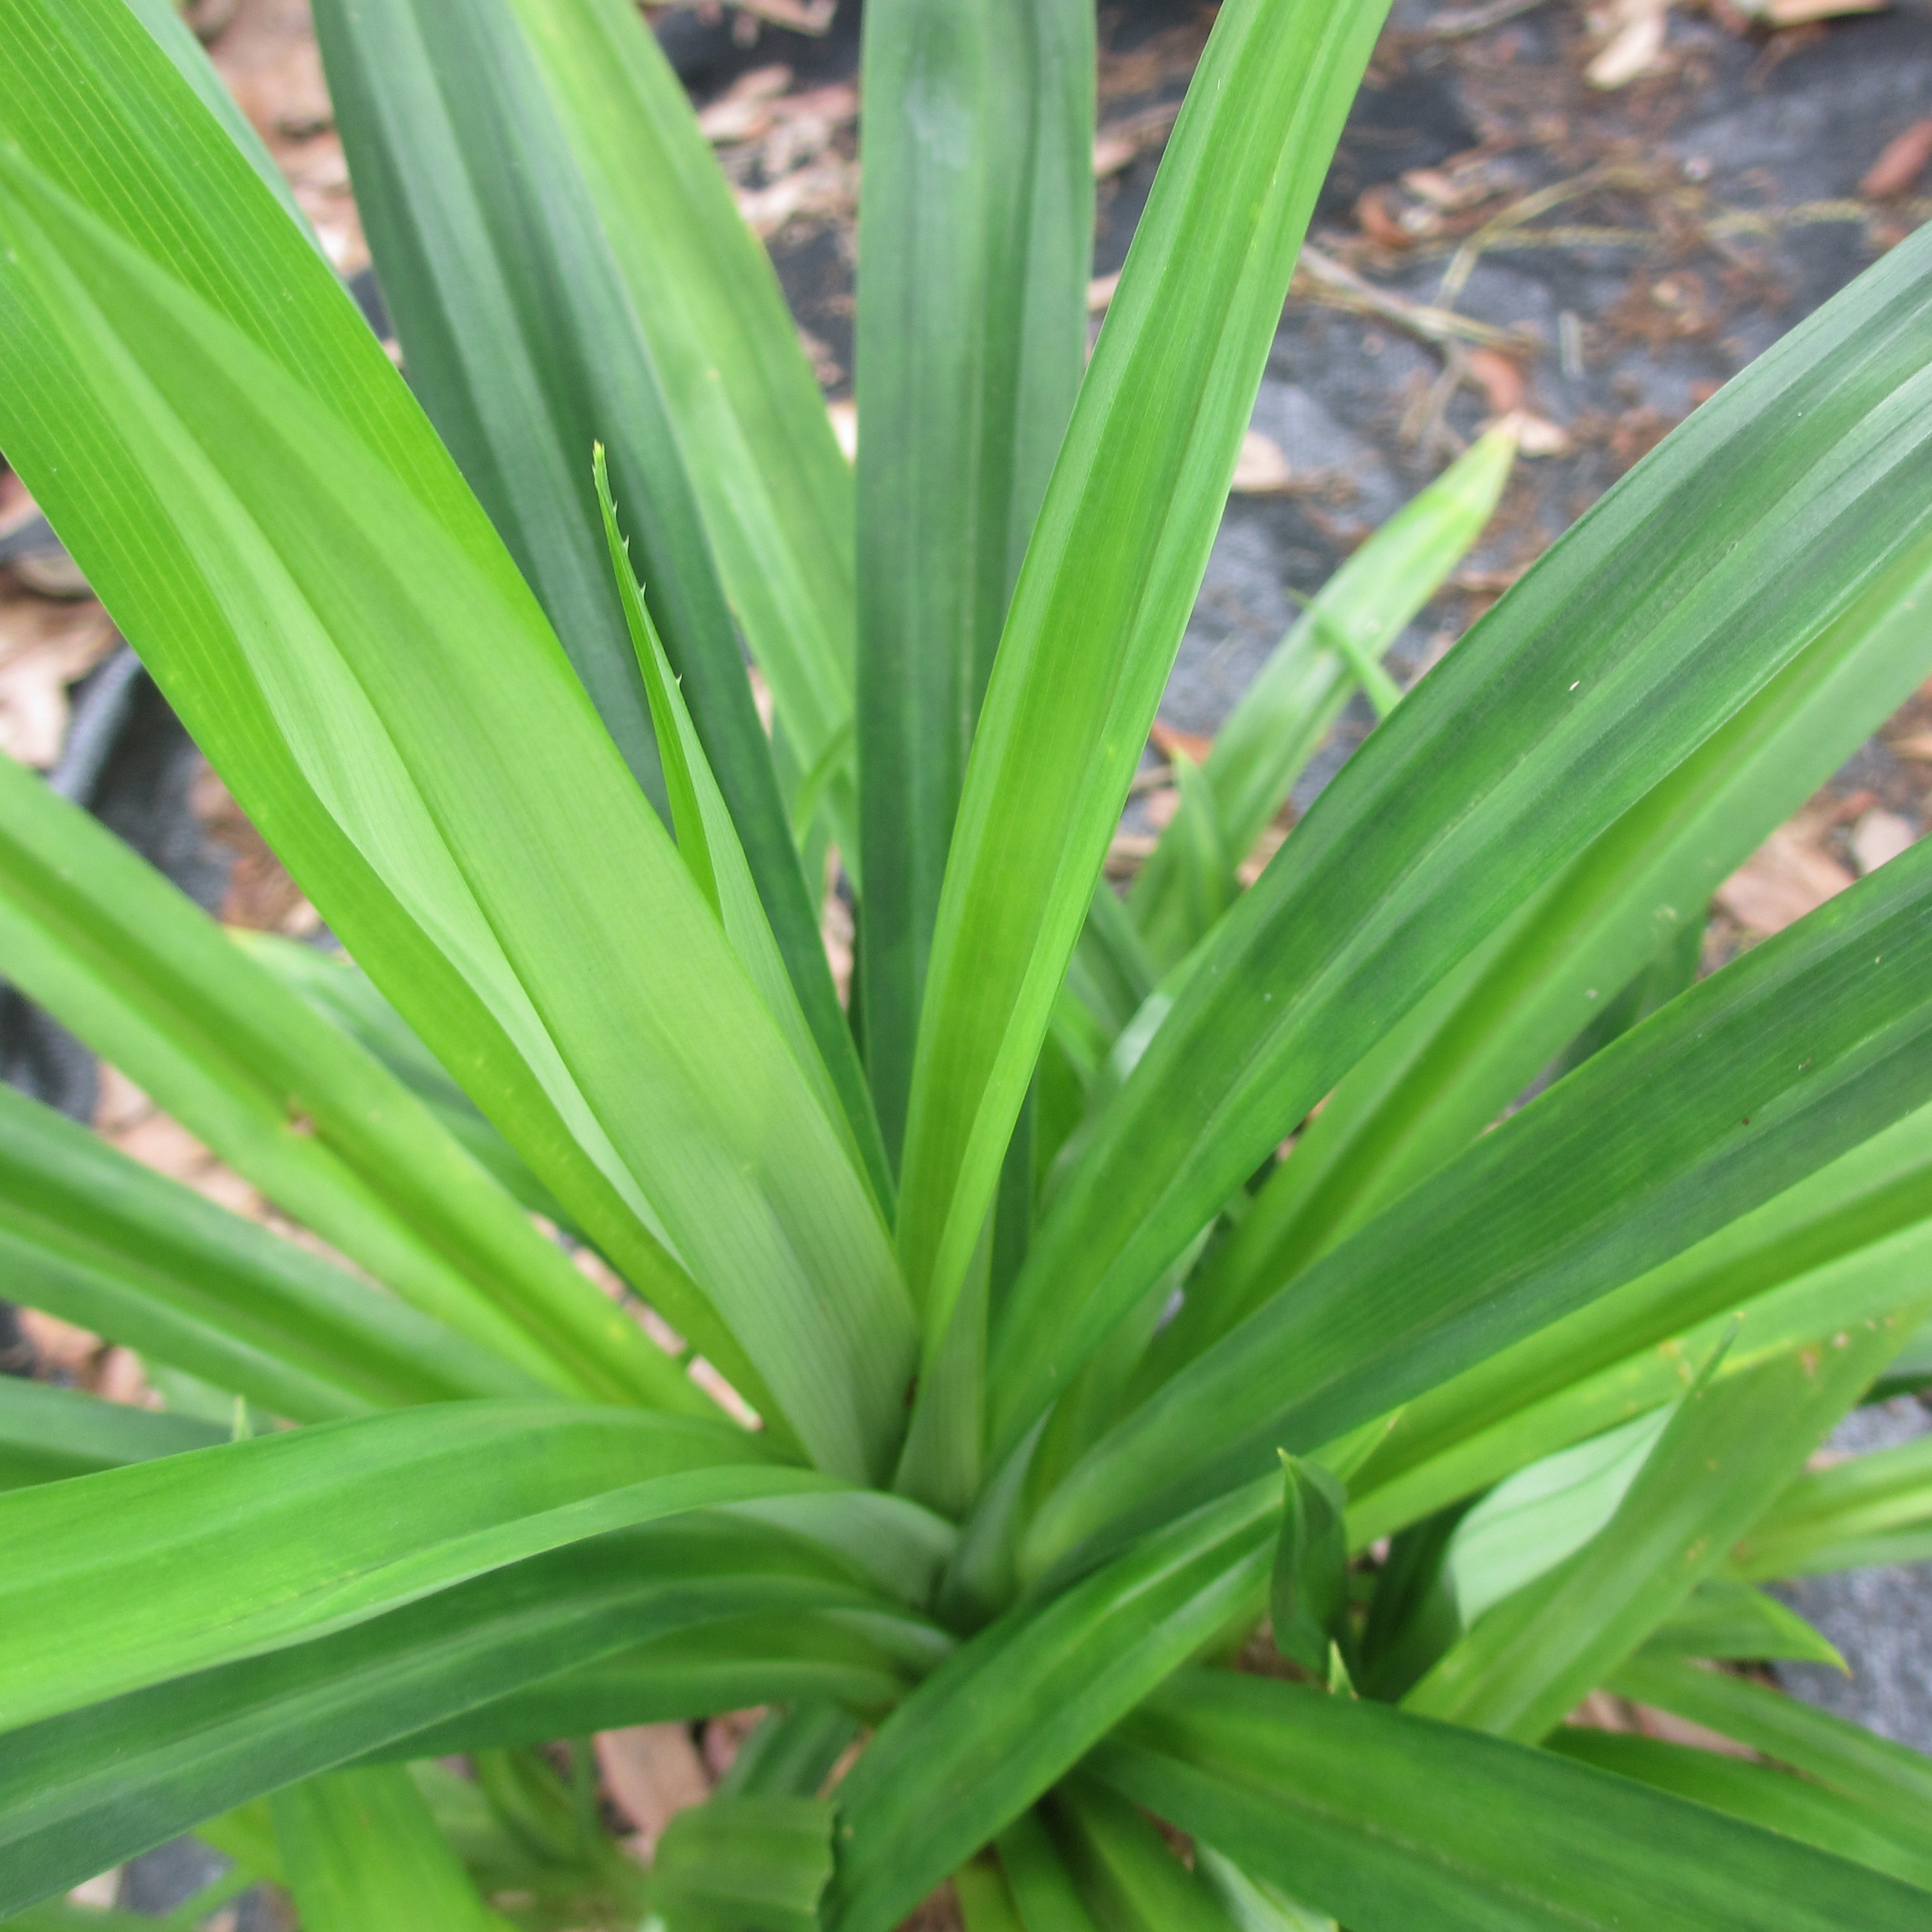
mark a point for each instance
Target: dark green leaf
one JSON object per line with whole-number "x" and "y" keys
{"x": 975, "y": 234}
{"x": 751, "y": 1860}
{"x": 92, "y": 1236}
{"x": 1108, "y": 580}
{"x": 49, "y": 1433}
{"x": 1799, "y": 491}
{"x": 1817, "y": 1040}
{"x": 1392, "y": 1822}
{"x": 1308, "y": 1601}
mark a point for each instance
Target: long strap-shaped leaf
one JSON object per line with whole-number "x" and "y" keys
{"x": 1886, "y": 1778}
{"x": 1476, "y": 1042}
{"x": 774, "y": 491}
{"x": 1805, "y": 484}
{"x": 1760, "y": 1794}
{"x": 1392, "y": 1822}
{"x": 47, "y": 1433}
{"x": 1875, "y": 1508}
{"x": 521, "y": 338}
{"x": 114, "y": 1779}
{"x": 1727, "y": 1451}
{"x": 1755, "y": 1077}
{"x": 1833, "y": 1249}
{"x": 1299, "y": 692}
{"x": 1109, "y": 577}
{"x": 975, "y": 235}
{"x": 362, "y": 1853}
{"x": 346, "y": 635}
{"x": 1001, "y": 1720}
{"x": 138, "y": 970}
{"x": 230, "y": 1551}
{"x": 90, "y": 1237}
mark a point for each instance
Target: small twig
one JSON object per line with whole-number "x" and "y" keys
{"x": 1342, "y": 288}
{"x": 1460, "y": 21}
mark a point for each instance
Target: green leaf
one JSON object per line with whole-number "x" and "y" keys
{"x": 333, "y": 986}
{"x": 1254, "y": 1905}
{"x": 1281, "y": 719}
{"x": 173, "y": 36}
{"x": 1676, "y": 600}
{"x": 687, "y": 819}
{"x": 1753, "y": 1079}
{"x": 1043, "y": 1891}
{"x": 141, "y": 973}
{"x": 790, "y": 1753}
{"x": 975, "y": 231}
{"x": 49, "y": 1433}
{"x": 1730, "y": 1447}
{"x": 1755, "y": 1793}
{"x": 708, "y": 839}
{"x": 241, "y": 1548}
{"x": 1471, "y": 1046}
{"x": 774, "y": 490}
{"x": 522, "y": 340}
{"x": 757, "y": 1860}
{"x": 92, "y": 1236}
{"x": 100, "y": 1784}
{"x": 865, "y": 1663}
{"x": 1831, "y": 1249}
{"x": 1386, "y": 1819}
{"x": 554, "y": 908}
{"x": 1722, "y": 1618}
{"x": 1131, "y": 1881}
{"x": 1014, "y": 1708}
{"x": 1108, "y": 580}
{"x": 1872, "y": 1509}
{"x": 1528, "y": 1525}
{"x": 363, "y": 1854}
{"x": 1308, "y": 1600}
{"x": 1885, "y": 1779}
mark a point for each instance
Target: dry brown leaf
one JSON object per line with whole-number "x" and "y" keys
{"x": 743, "y": 111}
{"x": 1919, "y": 745}
{"x": 1261, "y": 469}
{"x": 1900, "y": 162}
{"x": 1783, "y": 881}
{"x": 652, "y": 1772}
{"x": 70, "y": 1352}
{"x": 1879, "y": 838}
{"x": 1801, "y": 13}
{"x": 826, "y": 187}
{"x": 802, "y": 16}
{"x": 845, "y": 417}
{"x": 724, "y": 1735}
{"x": 1100, "y": 291}
{"x": 1500, "y": 378}
{"x": 44, "y": 647}
{"x": 1167, "y": 740}
{"x": 1634, "y": 33}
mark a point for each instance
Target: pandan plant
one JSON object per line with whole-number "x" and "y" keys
{"x": 1165, "y": 1424}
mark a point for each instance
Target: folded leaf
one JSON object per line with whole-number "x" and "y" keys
{"x": 1389, "y": 1821}
{"x": 521, "y": 338}
{"x": 1723, "y": 1618}
{"x": 1123, "y": 1868}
